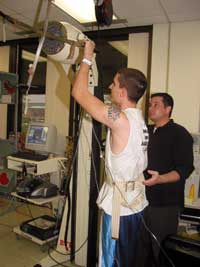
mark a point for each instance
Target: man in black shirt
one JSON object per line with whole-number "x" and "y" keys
{"x": 170, "y": 162}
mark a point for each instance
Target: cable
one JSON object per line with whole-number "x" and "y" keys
{"x": 6, "y": 225}
{"x": 156, "y": 240}
{"x": 92, "y": 157}
{"x": 11, "y": 206}
{"x": 67, "y": 186}
{"x": 81, "y": 128}
{"x": 76, "y": 149}
{"x": 67, "y": 191}
{"x": 21, "y": 213}
{"x": 68, "y": 254}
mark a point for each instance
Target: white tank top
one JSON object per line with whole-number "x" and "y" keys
{"x": 126, "y": 166}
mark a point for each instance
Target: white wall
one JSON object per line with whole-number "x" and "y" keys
{"x": 4, "y": 66}
{"x": 184, "y": 73}
{"x": 138, "y": 46}
{"x": 159, "y": 57}
{"x": 184, "y": 69}
{"x": 138, "y": 51}
{"x": 57, "y": 97}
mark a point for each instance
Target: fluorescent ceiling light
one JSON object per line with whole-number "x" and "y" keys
{"x": 81, "y": 10}
{"x": 121, "y": 46}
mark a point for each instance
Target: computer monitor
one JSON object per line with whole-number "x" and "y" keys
{"x": 41, "y": 138}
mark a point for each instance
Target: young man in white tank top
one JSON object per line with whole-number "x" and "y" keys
{"x": 122, "y": 196}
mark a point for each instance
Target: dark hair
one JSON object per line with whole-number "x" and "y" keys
{"x": 134, "y": 81}
{"x": 166, "y": 99}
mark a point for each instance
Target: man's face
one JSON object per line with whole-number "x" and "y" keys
{"x": 157, "y": 110}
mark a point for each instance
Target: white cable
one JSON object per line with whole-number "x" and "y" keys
{"x": 42, "y": 39}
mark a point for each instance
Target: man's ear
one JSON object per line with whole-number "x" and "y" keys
{"x": 123, "y": 92}
{"x": 168, "y": 109}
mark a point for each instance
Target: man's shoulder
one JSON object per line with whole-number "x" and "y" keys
{"x": 181, "y": 130}
{"x": 178, "y": 126}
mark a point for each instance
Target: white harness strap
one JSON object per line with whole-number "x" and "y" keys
{"x": 119, "y": 198}
{"x": 36, "y": 59}
{"x": 116, "y": 202}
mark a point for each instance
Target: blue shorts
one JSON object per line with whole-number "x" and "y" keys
{"x": 121, "y": 252}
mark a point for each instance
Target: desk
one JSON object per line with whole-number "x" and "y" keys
{"x": 51, "y": 166}
{"x": 38, "y": 201}
{"x": 34, "y": 167}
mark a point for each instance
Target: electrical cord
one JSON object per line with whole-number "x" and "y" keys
{"x": 71, "y": 168}
{"x": 67, "y": 193}
{"x": 65, "y": 254}
{"x": 67, "y": 190}
{"x": 6, "y": 225}
{"x": 11, "y": 206}
{"x": 81, "y": 127}
{"x": 92, "y": 158}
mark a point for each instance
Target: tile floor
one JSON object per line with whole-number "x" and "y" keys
{"x": 19, "y": 252}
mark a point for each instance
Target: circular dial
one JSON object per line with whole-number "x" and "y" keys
{"x": 52, "y": 46}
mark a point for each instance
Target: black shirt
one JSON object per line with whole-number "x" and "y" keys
{"x": 170, "y": 148}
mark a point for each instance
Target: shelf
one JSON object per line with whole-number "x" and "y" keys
{"x": 192, "y": 204}
{"x": 38, "y": 201}
{"x": 51, "y": 166}
{"x": 18, "y": 231}
{"x": 34, "y": 167}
